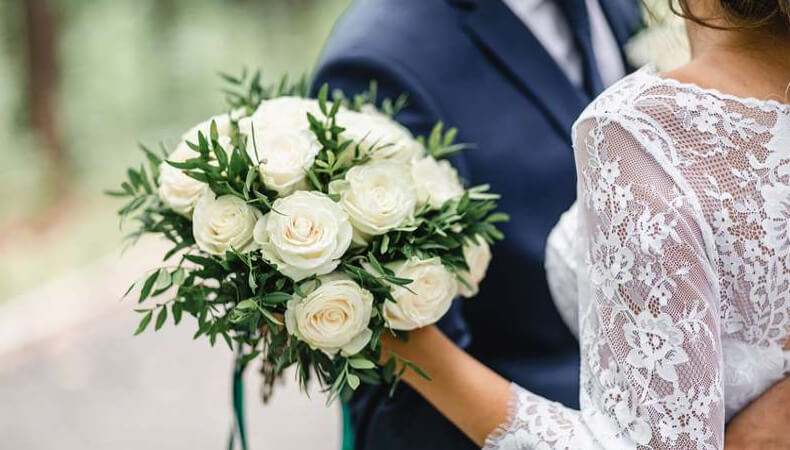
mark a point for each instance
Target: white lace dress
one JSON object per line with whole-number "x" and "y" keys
{"x": 674, "y": 268}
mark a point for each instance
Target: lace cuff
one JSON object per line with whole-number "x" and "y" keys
{"x": 498, "y": 438}
{"x": 535, "y": 422}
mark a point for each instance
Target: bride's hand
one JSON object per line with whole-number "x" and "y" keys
{"x": 764, "y": 423}
{"x": 472, "y": 396}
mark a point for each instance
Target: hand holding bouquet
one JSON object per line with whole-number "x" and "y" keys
{"x": 324, "y": 213}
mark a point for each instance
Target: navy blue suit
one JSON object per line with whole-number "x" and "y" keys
{"x": 474, "y": 65}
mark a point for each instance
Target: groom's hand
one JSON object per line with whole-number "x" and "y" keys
{"x": 764, "y": 424}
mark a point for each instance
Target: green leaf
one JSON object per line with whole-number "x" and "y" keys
{"x": 353, "y": 381}
{"x": 132, "y": 287}
{"x": 435, "y": 136}
{"x": 186, "y": 165}
{"x": 269, "y": 316}
{"x": 418, "y": 370}
{"x": 163, "y": 280}
{"x": 178, "y": 276}
{"x": 127, "y": 188}
{"x": 322, "y": 95}
{"x": 361, "y": 363}
{"x": 248, "y": 304}
{"x": 375, "y": 263}
{"x": 449, "y": 137}
{"x": 385, "y": 243}
{"x": 147, "y": 286}
{"x": 177, "y": 311}
{"x": 335, "y": 388}
{"x": 498, "y": 217}
{"x": 275, "y": 298}
{"x": 399, "y": 281}
{"x": 249, "y": 357}
{"x": 222, "y": 157}
{"x": 314, "y": 179}
{"x": 144, "y": 323}
{"x": 160, "y": 319}
{"x": 251, "y": 175}
{"x": 134, "y": 177}
{"x": 251, "y": 281}
{"x": 202, "y": 143}
{"x": 213, "y": 131}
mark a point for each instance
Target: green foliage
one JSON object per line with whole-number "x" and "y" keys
{"x": 248, "y": 91}
{"x": 443, "y": 233}
{"x": 239, "y": 298}
{"x": 370, "y": 97}
{"x": 441, "y": 144}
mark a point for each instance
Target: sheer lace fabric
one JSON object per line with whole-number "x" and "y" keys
{"x": 679, "y": 248}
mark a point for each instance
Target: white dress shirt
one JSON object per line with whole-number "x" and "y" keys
{"x": 548, "y": 24}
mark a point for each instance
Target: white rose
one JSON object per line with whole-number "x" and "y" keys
{"x": 284, "y": 157}
{"x": 478, "y": 257}
{"x": 224, "y": 223}
{"x": 425, "y": 300}
{"x": 178, "y": 191}
{"x": 378, "y": 196}
{"x": 333, "y": 317}
{"x": 305, "y": 235}
{"x": 436, "y": 181}
{"x": 282, "y": 113}
{"x": 283, "y": 145}
{"x": 379, "y": 136}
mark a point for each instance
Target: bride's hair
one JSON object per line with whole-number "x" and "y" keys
{"x": 743, "y": 13}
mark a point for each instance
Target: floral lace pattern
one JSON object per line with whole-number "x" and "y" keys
{"x": 683, "y": 269}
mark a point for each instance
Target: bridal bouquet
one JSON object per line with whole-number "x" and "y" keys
{"x": 302, "y": 229}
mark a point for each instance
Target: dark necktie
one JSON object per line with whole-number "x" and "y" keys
{"x": 579, "y": 21}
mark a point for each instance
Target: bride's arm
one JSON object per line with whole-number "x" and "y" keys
{"x": 649, "y": 323}
{"x": 472, "y": 396}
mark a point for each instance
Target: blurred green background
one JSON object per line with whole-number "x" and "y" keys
{"x": 82, "y": 81}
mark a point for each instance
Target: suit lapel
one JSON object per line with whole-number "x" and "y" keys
{"x": 516, "y": 50}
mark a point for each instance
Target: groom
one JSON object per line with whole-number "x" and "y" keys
{"x": 512, "y": 75}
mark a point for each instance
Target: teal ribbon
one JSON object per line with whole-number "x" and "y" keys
{"x": 348, "y": 430}
{"x": 239, "y": 429}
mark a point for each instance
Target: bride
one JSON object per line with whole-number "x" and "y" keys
{"x": 674, "y": 267}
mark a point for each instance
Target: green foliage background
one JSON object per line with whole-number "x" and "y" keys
{"x": 130, "y": 70}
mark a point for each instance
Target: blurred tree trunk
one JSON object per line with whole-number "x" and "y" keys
{"x": 42, "y": 78}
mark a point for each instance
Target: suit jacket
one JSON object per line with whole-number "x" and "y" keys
{"x": 474, "y": 65}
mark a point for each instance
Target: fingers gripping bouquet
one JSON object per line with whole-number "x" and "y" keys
{"x": 304, "y": 229}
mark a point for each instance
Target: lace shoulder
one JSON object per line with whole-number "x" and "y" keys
{"x": 646, "y": 85}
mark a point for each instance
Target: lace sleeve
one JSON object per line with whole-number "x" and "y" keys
{"x": 562, "y": 267}
{"x": 648, "y": 312}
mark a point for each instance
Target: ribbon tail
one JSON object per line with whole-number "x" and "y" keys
{"x": 348, "y": 429}
{"x": 239, "y": 428}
